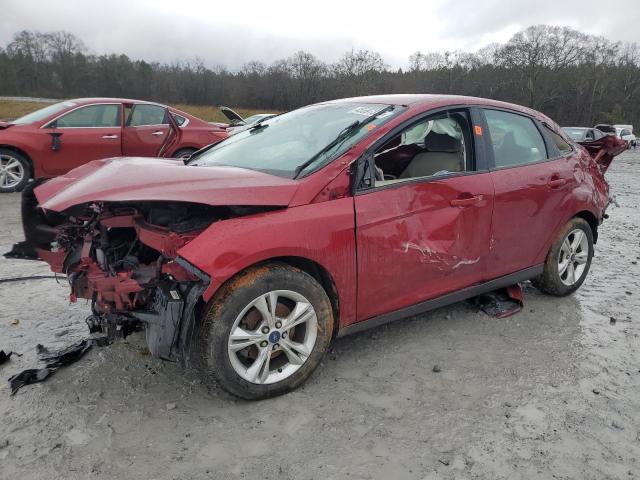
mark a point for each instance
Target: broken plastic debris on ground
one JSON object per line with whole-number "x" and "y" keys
{"x": 500, "y": 303}
{"x": 54, "y": 360}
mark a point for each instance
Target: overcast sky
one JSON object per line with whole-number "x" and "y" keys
{"x": 231, "y": 33}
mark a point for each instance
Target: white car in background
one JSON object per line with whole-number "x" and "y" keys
{"x": 238, "y": 124}
{"x": 625, "y": 132}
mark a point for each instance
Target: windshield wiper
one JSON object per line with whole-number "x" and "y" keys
{"x": 340, "y": 138}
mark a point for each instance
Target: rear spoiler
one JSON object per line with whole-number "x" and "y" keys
{"x": 602, "y": 151}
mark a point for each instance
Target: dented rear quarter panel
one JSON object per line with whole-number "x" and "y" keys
{"x": 589, "y": 193}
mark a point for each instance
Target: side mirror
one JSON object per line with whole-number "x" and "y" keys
{"x": 361, "y": 171}
{"x": 55, "y": 141}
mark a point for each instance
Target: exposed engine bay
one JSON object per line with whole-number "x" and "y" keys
{"x": 123, "y": 259}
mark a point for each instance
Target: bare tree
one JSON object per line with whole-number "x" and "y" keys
{"x": 575, "y": 78}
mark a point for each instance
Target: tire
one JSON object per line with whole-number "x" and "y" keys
{"x": 183, "y": 153}
{"x": 565, "y": 259}
{"x": 242, "y": 307}
{"x": 15, "y": 171}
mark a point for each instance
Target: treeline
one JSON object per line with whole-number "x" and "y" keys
{"x": 576, "y": 78}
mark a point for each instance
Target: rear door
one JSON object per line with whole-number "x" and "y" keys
{"x": 531, "y": 176}
{"x": 423, "y": 227}
{"x": 146, "y": 130}
{"x": 90, "y": 132}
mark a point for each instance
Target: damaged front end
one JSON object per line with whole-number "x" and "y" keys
{"x": 122, "y": 257}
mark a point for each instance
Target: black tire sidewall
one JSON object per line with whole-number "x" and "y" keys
{"x": 223, "y": 309}
{"x": 180, "y": 153}
{"x": 26, "y": 165}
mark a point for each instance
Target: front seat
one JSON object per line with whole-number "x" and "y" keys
{"x": 442, "y": 153}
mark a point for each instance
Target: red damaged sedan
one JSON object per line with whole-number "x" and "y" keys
{"x": 323, "y": 221}
{"x": 55, "y": 139}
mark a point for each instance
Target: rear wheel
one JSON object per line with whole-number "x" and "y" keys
{"x": 265, "y": 332}
{"x": 15, "y": 171}
{"x": 569, "y": 259}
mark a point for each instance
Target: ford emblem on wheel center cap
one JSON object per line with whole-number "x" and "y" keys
{"x": 274, "y": 337}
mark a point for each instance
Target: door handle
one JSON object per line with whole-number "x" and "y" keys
{"x": 157, "y": 133}
{"x": 466, "y": 201}
{"x": 557, "y": 182}
{"x": 111, "y": 137}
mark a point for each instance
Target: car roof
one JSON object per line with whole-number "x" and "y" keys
{"x": 425, "y": 100}
{"x": 92, "y": 100}
{"x": 85, "y": 101}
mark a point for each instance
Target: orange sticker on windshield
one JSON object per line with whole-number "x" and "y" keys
{"x": 371, "y": 126}
{"x": 478, "y": 130}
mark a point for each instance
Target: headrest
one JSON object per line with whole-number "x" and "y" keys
{"x": 438, "y": 142}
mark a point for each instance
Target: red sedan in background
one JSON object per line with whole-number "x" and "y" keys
{"x": 55, "y": 139}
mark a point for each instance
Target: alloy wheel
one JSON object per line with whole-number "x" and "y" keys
{"x": 573, "y": 257}
{"x": 272, "y": 337}
{"x": 11, "y": 171}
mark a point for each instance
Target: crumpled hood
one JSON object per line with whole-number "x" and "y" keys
{"x": 153, "y": 179}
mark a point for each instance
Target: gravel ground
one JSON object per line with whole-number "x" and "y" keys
{"x": 553, "y": 392}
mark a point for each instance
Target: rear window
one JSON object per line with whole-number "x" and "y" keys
{"x": 515, "y": 139}
{"x": 179, "y": 119}
{"x": 147, "y": 115}
{"x": 560, "y": 142}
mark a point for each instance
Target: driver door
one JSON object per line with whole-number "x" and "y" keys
{"x": 90, "y": 132}
{"x": 423, "y": 228}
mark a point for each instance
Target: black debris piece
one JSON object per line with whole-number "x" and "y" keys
{"x": 27, "y": 377}
{"x": 4, "y": 357}
{"x": 501, "y": 303}
{"x": 23, "y": 251}
{"x": 54, "y": 360}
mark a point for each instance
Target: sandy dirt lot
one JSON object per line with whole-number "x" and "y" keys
{"x": 553, "y": 392}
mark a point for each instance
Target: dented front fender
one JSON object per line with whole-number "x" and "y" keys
{"x": 322, "y": 233}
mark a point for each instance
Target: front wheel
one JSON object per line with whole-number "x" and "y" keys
{"x": 265, "y": 332}
{"x": 15, "y": 171}
{"x": 184, "y": 153}
{"x": 568, "y": 260}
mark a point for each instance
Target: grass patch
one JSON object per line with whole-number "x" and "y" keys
{"x": 11, "y": 109}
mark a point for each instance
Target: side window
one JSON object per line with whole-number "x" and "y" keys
{"x": 436, "y": 146}
{"x": 179, "y": 119}
{"x": 625, "y": 132}
{"x": 91, "y": 116}
{"x": 147, "y": 115}
{"x": 560, "y": 142}
{"x": 597, "y": 134}
{"x": 515, "y": 139}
